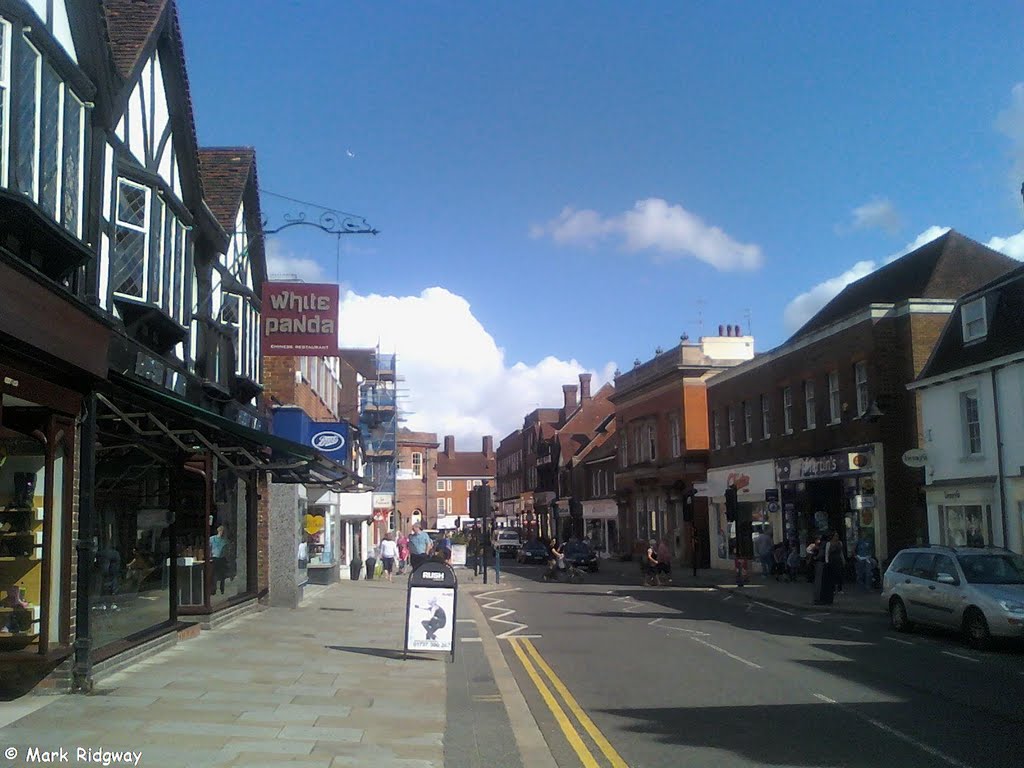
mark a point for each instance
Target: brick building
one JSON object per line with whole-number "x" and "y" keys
{"x": 661, "y": 420}
{"x": 415, "y": 497}
{"x": 811, "y": 434}
{"x": 457, "y": 473}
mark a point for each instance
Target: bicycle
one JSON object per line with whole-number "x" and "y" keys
{"x": 569, "y": 573}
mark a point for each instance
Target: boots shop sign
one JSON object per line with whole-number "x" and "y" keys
{"x": 300, "y": 319}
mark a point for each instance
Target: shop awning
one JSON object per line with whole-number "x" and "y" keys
{"x": 162, "y": 416}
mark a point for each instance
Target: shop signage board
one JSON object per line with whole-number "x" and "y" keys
{"x": 833, "y": 464}
{"x": 300, "y": 319}
{"x": 430, "y": 610}
{"x": 915, "y": 457}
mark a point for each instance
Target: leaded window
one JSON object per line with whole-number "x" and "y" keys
{"x": 5, "y": 96}
{"x": 128, "y": 268}
{"x": 73, "y": 139}
{"x": 26, "y": 116}
{"x": 49, "y": 139}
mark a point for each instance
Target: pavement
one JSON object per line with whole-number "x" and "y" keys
{"x": 321, "y": 685}
{"x": 852, "y": 601}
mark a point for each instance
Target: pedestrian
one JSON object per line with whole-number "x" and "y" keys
{"x": 763, "y": 550}
{"x": 443, "y": 551}
{"x": 388, "y": 554}
{"x": 864, "y": 562}
{"x": 403, "y": 553}
{"x": 824, "y": 586}
{"x": 420, "y": 546}
{"x": 473, "y": 551}
{"x": 664, "y": 558}
{"x": 793, "y": 560}
{"x": 218, "y": 545}
{"x": 835, "y": 557}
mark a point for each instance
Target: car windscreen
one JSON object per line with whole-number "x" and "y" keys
{"x": 1002, "y": 568}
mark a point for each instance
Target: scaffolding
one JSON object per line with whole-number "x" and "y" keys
{"x": 378, "y": 424}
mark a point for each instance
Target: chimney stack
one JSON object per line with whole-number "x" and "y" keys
{"x": 721, "y": 330}
{"x": 488, "y": 445}
{"x": 584, "y": 387}
{"x": 569, "y": 393}
{"x": 449, "y": 445}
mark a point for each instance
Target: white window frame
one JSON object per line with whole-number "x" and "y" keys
{"x": 441, "y": 507}
{"x": 834, "y": 400}
{"x": 716, "y": 430}
{"x": 675, "y": 435}
{"x": 748, "y": 422}
{"x": 787, "y": 410}
{"x": 860, "y": 377}
{"x": 968, "y": 435}
{"x": 439, "y": 485}
{"x": 651, "y": 441}
{"x": 5, "y": 102}
{"x": 766, "y": 417}
{"x": 731, "y": 416}
{"x": 147, "y": 213}
{"x": 448, "y": 486}
{"x": 809, "y": 411}
{"x": 974, "y": 320}
{"x": 416, "y": 463}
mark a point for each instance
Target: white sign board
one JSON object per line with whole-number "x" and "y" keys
{"x": 915, "y": 457}
{"x": 430, "y": 619}
{"x": 458, "y": 554}
{"x": 382, "y": 500}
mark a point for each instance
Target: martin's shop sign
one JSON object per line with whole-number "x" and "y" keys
{"x": 300, "y": 319}
{"x": 827, "y": 465}
{"x": 328, "y": 437}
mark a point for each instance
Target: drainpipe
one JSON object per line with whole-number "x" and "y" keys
{"x": 81, "y": 674}
{"x": 999, "y": 460}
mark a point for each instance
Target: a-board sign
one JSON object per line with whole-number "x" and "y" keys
{"x": 430, "y": 609}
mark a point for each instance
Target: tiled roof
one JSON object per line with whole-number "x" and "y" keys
{"x": 945, "y": 268}
{"x": 225, "y": 171}
{"x": 1004, "y": 308}
{"x": 130, "y": 23}
{"x": 465, "y": 464}
{"x": 603, "y": 446}
{"x": 407, "y": 437}
{"x": 582, "y": 426}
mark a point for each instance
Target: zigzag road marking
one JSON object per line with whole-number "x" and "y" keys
{"x": 657, "y": 623}
{"x": 499, "y": 617}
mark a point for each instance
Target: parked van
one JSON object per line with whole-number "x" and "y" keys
{"x": 506, "y": 541}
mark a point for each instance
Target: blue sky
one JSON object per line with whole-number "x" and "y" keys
{"x": 580, "y": 182}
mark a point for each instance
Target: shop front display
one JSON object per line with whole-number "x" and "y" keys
{"x": 753, "y": 483}
{"x": 961, "y": 515}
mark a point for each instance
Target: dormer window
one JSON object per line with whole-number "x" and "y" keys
{"x": 974, "y": 319}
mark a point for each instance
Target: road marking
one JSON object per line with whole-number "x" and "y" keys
{"x": 471, "y": 639}
{"x": 588, "y": 725}
{"x": 560, "y": 717}
{"x": 499, "y": 617}
{"x": 897, "y": 640}
{"x": 851, "y": 629}
{"x": 465, "y": 621}
{"x": 676, "y": 629}
{"x": 893, "y": 732}
{"x": 722, "y": 650}
{"x": 487, "y": 697}
{"x": 808, "y": 618}
{"x": 961, "y": 656}
{"x": 773, "y": 608}
{"x": 727, "y": 597}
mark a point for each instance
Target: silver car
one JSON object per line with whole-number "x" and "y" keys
{"x": 979, "y": 592}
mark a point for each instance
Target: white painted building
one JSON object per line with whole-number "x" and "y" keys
{"x": 972, "y": 412}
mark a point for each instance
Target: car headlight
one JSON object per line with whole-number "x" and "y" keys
{"x": 1011, "y": 606}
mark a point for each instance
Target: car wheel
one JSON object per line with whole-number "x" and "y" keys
{"x": 898, "y": 616}
{"x": 976, "y": 629}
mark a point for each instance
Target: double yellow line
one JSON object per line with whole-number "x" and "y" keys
{"x": 532, "y": 661}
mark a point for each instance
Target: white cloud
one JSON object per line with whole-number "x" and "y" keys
{"x": 1010, "y": 123}
{"x": 653, "y": 224}
{"x": 1012, "y": 246}
{"x": 803, "y": 307}
{"x": 457, "y": 378}
{"x": 285, "y": 265}
{"x": 879, "y": 213}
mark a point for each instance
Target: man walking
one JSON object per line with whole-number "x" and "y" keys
{"x": 763, "y": 550}
{"x": 419, "y": 547}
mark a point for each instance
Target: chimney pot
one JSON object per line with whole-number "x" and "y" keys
{"x": 585, "y": 386}
{"x": 569, "y": 394}
{"x": 721, "y": 330}
{"x": 488, "y": 445}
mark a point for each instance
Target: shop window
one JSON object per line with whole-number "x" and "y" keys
{"x": 129, "y": 589}
{"x": 965, "y": 525}
{"x": 229, "y": 534}
{"x": 22, "y": 553}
